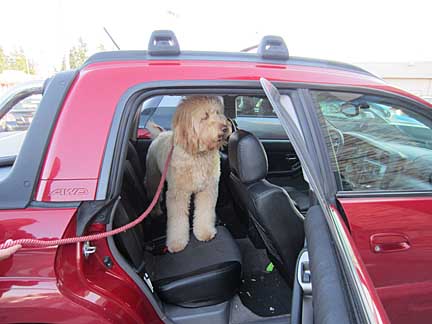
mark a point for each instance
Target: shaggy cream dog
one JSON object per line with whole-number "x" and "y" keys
{"x": 199, "y": 130}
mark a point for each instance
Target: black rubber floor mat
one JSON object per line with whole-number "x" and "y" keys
{"x": 266, "y": 293}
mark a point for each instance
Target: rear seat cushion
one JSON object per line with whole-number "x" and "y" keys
{"x": 205, "y": 273}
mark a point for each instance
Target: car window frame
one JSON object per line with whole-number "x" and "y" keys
{"x": 124, "y": 118}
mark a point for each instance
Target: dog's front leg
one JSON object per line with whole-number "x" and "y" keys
{"x": 177, "y": 220}
{"x": 205, "y": 214}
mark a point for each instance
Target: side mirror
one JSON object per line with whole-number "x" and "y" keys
{"x": 350, "y": 110}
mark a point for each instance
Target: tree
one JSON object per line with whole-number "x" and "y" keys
{"x": 63, "y": 65}
{"x": 2, "y": 60}
{"x": 101, "y": 48}
{"x": 78, "y": 54}
{"x": 17, "y": 60}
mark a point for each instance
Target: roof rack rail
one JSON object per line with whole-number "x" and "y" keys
{"x": 273, "y": 48}
{"x": 163, "y": 43}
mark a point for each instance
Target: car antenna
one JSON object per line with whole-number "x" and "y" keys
{"x": 112, "y": 39}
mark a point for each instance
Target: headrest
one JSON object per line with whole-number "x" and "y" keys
{"x": 247, "y": 158}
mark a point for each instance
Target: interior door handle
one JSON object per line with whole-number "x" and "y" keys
{"x": 389, "y": 242}
{"x": 291, "y": 157}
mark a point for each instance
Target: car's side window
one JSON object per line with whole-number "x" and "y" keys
{"x": 376, "y": 143}
{"x": 256, "y": 115}
{"x": 247, "y": 106}
{"x": 159, "y": 110}
{"x": 14, "y": 124}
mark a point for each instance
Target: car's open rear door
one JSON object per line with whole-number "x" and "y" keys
{"x": 341, "y": 290}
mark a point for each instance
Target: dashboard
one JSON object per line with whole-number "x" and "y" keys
{"x": 367, "y": 165}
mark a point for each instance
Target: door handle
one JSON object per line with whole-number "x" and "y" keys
{"x": 389, "y": 242}
{"x": 290, "y": 157}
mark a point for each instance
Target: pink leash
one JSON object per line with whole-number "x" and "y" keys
{"x": 33, "y": 243}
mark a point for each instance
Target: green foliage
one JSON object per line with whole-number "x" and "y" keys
{"x": 2, "y": 60}
{"x": 16, "y": 60}
{"x": 101, "y": 48}
{"x": 78, "y": 54}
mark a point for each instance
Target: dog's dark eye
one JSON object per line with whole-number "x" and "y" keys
{"x": 206, "y": 116}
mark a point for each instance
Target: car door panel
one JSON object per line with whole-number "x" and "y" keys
{"x": 383, "y": 171}
{"x": 282, "y": 159}
{"x": 396, "y": 272}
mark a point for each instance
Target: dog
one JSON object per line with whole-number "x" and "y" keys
{"x": 199, "y": 130}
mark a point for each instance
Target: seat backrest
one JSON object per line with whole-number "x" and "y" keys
{"x": 131, "y": 242}
{"x": 133, "y": 158}
{"x": 269, "y": 206}
{"x": 133, "y": 190}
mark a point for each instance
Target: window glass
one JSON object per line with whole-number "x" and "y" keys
{"x": 253, "y": 107}
{"x": 376, "y": 143}
{"x": 254, "y": 114}
{"x": 159, "y": 110}
{"x": 14, "y": 125}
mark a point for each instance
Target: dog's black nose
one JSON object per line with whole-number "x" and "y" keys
{"x": 224, "y": 129}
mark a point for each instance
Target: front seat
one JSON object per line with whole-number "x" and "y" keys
{"x": 269, "y": 207}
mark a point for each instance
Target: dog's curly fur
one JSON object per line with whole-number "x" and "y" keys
{"x": 199, "y": 130}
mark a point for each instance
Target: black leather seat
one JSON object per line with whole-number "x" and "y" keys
{"x": 133, "y": 157}
{"x": 273, "y": 213}
{"x": 204, "y": 273}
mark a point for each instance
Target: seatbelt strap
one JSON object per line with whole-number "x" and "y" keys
{"x": 307, "y": 310}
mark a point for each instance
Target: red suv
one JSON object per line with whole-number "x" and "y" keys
{"x": 330, "y": 224}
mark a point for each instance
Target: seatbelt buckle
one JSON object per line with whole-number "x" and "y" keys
{"x": 148, "y": 281}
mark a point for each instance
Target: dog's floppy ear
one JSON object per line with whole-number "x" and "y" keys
{"x": 183, "y": 130}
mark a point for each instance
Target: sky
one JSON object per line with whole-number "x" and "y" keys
{"x": 348, "y": 31}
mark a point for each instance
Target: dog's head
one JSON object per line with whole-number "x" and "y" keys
{"x": 199, "y": 124}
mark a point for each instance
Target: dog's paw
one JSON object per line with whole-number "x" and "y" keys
{"x": 204, "y": 233}
{"x": 176, "y": 245}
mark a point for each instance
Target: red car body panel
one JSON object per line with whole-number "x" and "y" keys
{"x": 34, "y": 283}
{"x": 379, "y": 312}
{"x": 402, "y": 274}
{"x": 58, "y": 281}
{"x": 87, "y": 290}
{"x": 108, "y": 292}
